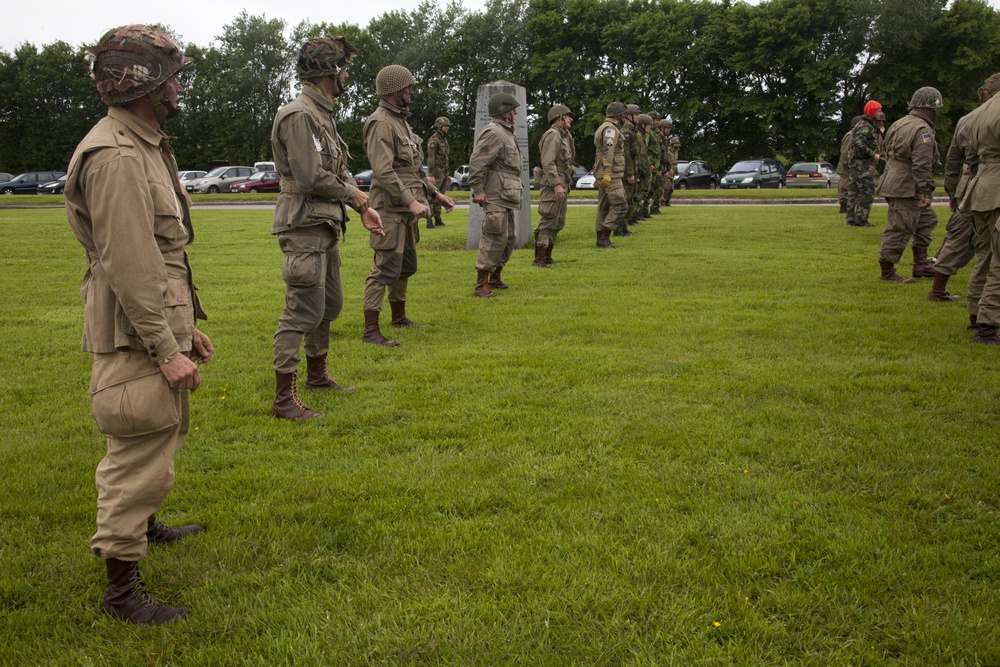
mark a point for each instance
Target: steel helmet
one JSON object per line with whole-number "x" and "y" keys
{"x": 666, "y": 123}
{"x": 615, "y": 109}
{"x": 871, "y": 106}
{"x": 645, "y": 119}
{"x": 391, "y": 79}
{"x": 675, "y": 140}
{"x": 655, "y": 115}
{"x": 134, "y": 61}
{"x": 501, "y": 103}
{"x": 320, "y": 56}
{"x": 558, "y": 111}
{"x": 632, "y": 109}
{"x": 990, "y": 87}
{"x": 441, "y": 121}
{"x": 926, "y": 98}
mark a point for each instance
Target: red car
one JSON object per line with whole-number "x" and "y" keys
{"x": 262, "y": 181}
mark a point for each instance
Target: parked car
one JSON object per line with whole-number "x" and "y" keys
{"x": 755, "y": 173}
{"x": 219, "y": 180}
{"x": 186, "y": 176}
{"x": 587, "y": 182}
{"x": 27, "y": 183}
{"x": 364, "y": 179}
{"x": 578, "y": 173}
{"x": 264, "y": 166}
{"x": 460, "y": 179}
{"x": 262, "y": 181}
{"x": 812, "y": 175}
{"x": 695, "y": 174}
{"x": 4, "y": 176}
{"x": 56, "y": 187}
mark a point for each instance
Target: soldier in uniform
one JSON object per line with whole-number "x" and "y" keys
{"x": 673, "y": 155}
{"x": 557, "y": 152}
{"x": 655, "y": 147}
{"x": 908, "y": 186}
{"x": 309, "y": 217}
{"x": 671, "y": 151}
{"x": 961, "y": 241}
{"x": 646, "y": 168}
{"x": 437, "y": 164}
{"x": 400, "y": 193}
{"x": 631, "y": 178}
{"x": 495, "y": 181}
{"x": 863, "y": 156}
{"x": 843, "y": 166}
{"x": 132, "y": 217}
{"x": 609, "y": 170}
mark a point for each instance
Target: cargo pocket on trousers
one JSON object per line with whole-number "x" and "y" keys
{"x": 135, "y": 407}
{"x": 548, "y": 209}
{"x": 393, "y": 227}
{"x": 302, "y": 269}
{"x": 495, "y": 222}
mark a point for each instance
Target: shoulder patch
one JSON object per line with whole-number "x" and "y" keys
{"x": 610, "y": 132}
{"x": 927, "y": 138}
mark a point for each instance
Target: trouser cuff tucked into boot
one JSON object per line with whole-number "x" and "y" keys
{"x": 399, "y": 318}
{"x": 938, "y": 291}
{"x": 286, "y": 400}
{"x": 496, "y": 282}
{"x": 889, "y": 273}
{"x": 157, "y": 533}
{"x": 318, "y": 377}
{"x": 483, "y": 286}
{"x": 126, "y": 597}
{"x": 373, "y": 334}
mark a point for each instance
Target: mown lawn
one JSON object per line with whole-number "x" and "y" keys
{"x": 724, "y": 442}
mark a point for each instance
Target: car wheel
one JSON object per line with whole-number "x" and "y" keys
{"x": 213, "y": 189}
{"x": 712, "y": 185}
{"x": 7, "y": 191}
{"x": 253, "y": 190}
{"x": 758, "y": 186}
{"x": 682, "y": 185}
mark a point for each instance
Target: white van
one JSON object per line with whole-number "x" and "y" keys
{"x": 263, "y": 166}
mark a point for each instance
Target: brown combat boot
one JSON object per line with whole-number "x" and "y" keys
{"x": 496, "y": 282}
{"x": 604, "y": 239}
{"x": 973, "y": 323}
{"x": 889, "y": 273}
{"x": 922, "y": 267}
{"x": 157, "y": 533}
{"x": 372, "y": 334}
{"x": 286, "y": 400}
{"x": 399, "y": 318}
{"x": 317, "y": 376}
{"x": 483, "y": 286}
{"x": 938, "y": 291}
{"x": 548, "y": 255}
{"x": 539, "y": 257}
{"x": 127, "y": 599}
{"x": 986, "y": 333}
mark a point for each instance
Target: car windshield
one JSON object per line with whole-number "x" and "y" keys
{"x": 745, "y": 166}
{"x": 215, "y": 173}
{"x": 681, "y": 166}
{"x": 804, "y": 167}
{"x": 256, "y": 177}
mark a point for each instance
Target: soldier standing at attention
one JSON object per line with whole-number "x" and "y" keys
{"x": 673, "y": 155}
{"x": 495, "y": 181}
{"x": 132, "y": 217}
{"x": 863, "y": 156}
{"x": 437, "y": 164}
{"x": 400, "y": 193}
{"x": 631, "y": 177}
{"x": 557, "y": 152}
{"x": 843, "y": 166}
{"x": 309, "y": 217}
{"x": 646, "y": 169}
{"x": 908, "y": 186}
{"x": 609, "y": 168}
{"x": 655, "y": 148}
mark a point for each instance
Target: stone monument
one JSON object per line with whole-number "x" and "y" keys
{"x": 523, "y": 217}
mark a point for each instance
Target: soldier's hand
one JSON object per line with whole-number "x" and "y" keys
{"x": 360, "y": 201}
{"x": 560, "y": 192}
{"x": 432, "y": 180}
{"x": 181, "y": 373}
{"x": 372, "y": 221}
{"x": 606, "y": 180}
{"x": 445, "y": 201}
{"x": 924, "y": 203}
{"x": 203, "y": 349}
{"x": 419, "y": 210}
{"x": 480, "y": 198}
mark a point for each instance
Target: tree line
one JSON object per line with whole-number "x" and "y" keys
{"x": 782, "y": 78}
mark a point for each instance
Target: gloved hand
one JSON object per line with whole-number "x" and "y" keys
{"x": 606, "y": 180}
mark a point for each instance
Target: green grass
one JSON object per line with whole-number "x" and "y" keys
{"x": 725, "y": 442}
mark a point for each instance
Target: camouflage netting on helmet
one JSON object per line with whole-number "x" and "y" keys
{"x": 501, "y": 103}
{"x": 318, "y": 57}
{"x": 615, "y": 109}
{"x": 989, "y": 87}
{"x": 133, "y": 61}
{"x": 558, "y": 111}
{"x": 393, "y": 78}
{"x": 926, "y": 98}
{"x": 442, "y": 121}
{"x": 675, "y": 140}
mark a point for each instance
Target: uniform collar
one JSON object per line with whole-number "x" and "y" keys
{"x": 393, "y": 108}
{"x": 137, "y": 125}
{"x": 318, "y": 97}
{"x": 504, "y": 124}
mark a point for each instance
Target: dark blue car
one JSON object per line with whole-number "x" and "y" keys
{"x": 27, "y": 183}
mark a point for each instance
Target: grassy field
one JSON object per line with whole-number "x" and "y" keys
{"x": 725, "y": 442}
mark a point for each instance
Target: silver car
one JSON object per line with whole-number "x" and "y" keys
{"x": 812, "y": 175}
{"x": 219, "y": 180}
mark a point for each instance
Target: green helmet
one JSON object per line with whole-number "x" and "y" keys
{"x": 990, "y": 87}
{"x": 655, "y": 115}
{"x": 133, "y": 62}
{"x": 501, "y": 103}
{"x": 675, "y": 140}
{"x": 632, "y": 109}
{"x": 391, "y": 79}
{"x": 615, "y": 109}
{"x": 926, "y": 98}
{"x": 558, "y": 111}
{"x": 645, "y": 119}
{"x": 666, "y": 123}
{"x": 322, "y": 56}
{"x": 441, "y": 121}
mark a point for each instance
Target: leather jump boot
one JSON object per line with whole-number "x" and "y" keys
{"x": 604, "y": 239}
{"x": 482, "y": 285}
{"x": 548, "y": 255}
{"x": 317, "y": 376}
{"x": 986, "y": 334}
{"x": 399, "y": 318}
{"x": 430, "y": 223}
{"x": 157, "y": 533}
{"x": 496, "y": 282}
{"x": 540, "y": 256}
{"x": 373, "y": 334}
{"x": 843, "y": 208}
{"x": 889, "y": 273}
{"x": 286, "y": 400}
{"x": 126, "y": 597}
{"x": 938, "y": 291}
{"x": 922, "y": 267}
{"x": 437, "y": 221}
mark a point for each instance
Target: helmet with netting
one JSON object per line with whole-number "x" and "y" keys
{"x": 134, "y": 61}
{"x": 501, "y": 103}
{"x": 391, "y": 79}
{"x": 320, "y": 56}
{"x": 558, "y": 111}
{"x": 615, "y": 109}
{"x": 675, "y": 140}
{"x": 926, "y": 98}
{"x": 989, "y": 87}
{"x": 645, "y": 119}
{"x": 441, "y": 121}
